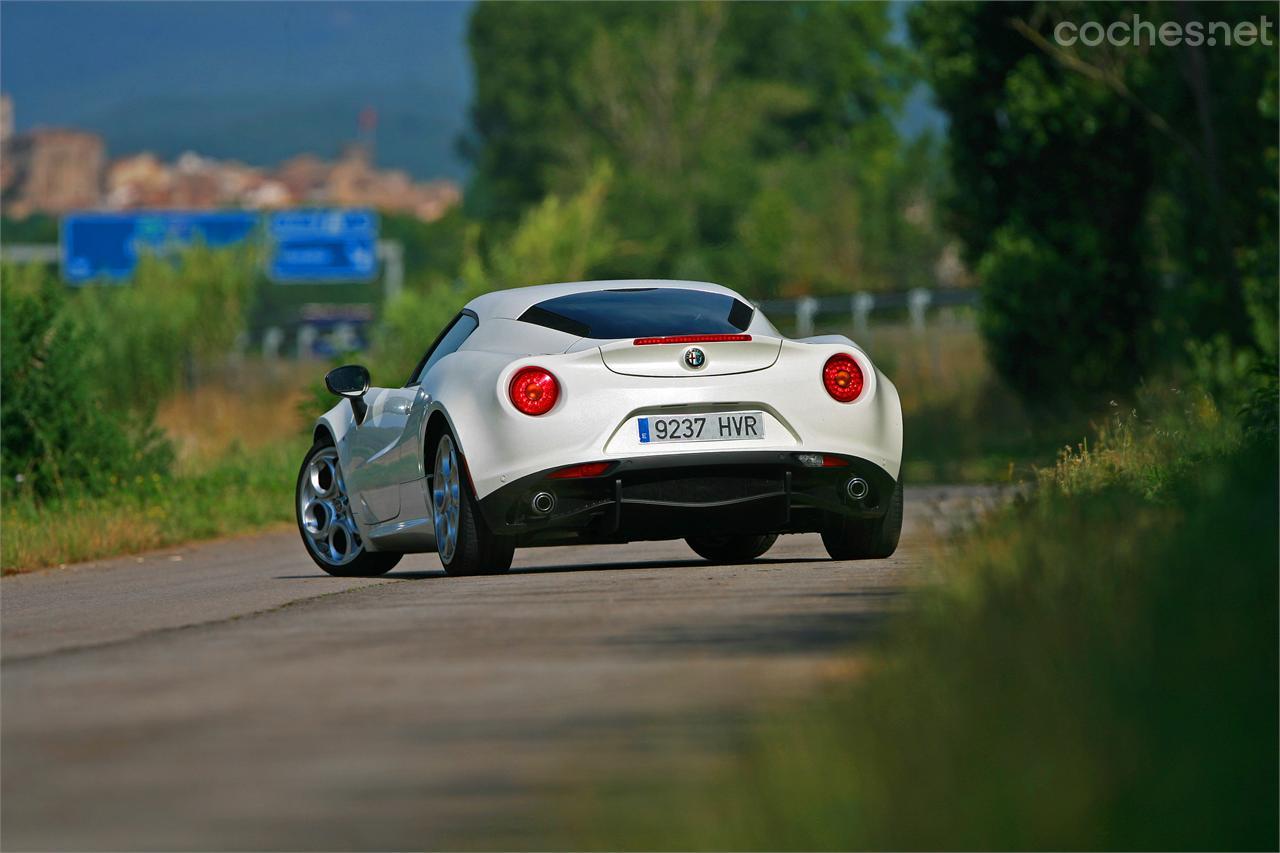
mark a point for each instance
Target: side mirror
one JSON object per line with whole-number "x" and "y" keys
{"x": 350, "y": 381}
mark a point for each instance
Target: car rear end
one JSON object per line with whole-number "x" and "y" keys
{"x": 669, "y": 436}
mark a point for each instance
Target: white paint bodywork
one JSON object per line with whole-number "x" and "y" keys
{"x": 604, "y": 386}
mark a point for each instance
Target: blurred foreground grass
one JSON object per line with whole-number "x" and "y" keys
{"x": 1097, "y": 669}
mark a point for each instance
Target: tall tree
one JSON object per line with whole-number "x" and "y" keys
{"x": 524, "y": 55}
{"x": 719, "y": 120}
{"x": 528, "y": 57}
{"x": 1102, "y": 193}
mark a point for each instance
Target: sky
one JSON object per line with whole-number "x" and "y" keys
{"x": 257, "y": 80}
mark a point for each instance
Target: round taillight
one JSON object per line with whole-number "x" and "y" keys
{"x": 842, "y": 378}
{"x": 534, "y": 391}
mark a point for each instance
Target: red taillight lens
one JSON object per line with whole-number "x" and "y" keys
{"x": 842, "y": 378}
{"x": 534, "y": 391}
{"x": 574, "y": 472}
{"x": 829, "y": 461}
{"x": 689, "y": 339}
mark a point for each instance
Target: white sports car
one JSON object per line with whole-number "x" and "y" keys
{"x": 607, "y": 411}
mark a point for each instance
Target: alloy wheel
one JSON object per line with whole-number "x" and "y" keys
{"x": 446, "y": 499}
{"x": 325, "y": 510}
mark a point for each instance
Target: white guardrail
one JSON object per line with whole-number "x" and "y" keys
{"x": 858, "y": 306}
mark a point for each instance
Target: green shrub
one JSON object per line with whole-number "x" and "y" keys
{"x": 62, "y": 429}
{"x": 85, "y": 369}
{"x": 176, "y": 314}
{"x": 1062, "y": 325}
{"x": 408, "y": 326}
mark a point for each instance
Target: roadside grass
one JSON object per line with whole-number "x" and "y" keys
{"x": 1096, "y": 669}
{"x": 1146, "y": 455}
{"x": 239, "y": 437}
{"x": 240, "y": 493}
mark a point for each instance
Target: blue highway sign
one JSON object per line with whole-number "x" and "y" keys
{"x": 108, "y": 245}
{"x": 323, "y": 246}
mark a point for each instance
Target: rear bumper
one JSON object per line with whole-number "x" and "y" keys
{"x": 688, "y": 494}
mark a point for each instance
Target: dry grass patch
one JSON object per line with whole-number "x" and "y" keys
{"x": 254, "y": 406}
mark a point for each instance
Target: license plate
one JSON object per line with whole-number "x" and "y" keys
{"x": 726, "y": 426}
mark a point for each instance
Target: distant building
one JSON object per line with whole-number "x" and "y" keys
{"x": 354, "y": 182}
{"x": 352, "y": 178}
{"x": 304, "y": 177}
{"x": 56, "y": 171}
{"x": 435, "y": 199}
{"x": 268, "y": 194}
{"x": 50, "y": 170}
{"x": 138, "y": 181}
{"x": 6, "y": 118}
{"x": 7, "y": 174}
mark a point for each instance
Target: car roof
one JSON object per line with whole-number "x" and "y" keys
{"x": 510, "y": 304}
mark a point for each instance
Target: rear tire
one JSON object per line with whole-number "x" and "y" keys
{"x": 328, "y": 529}
{"x": 463, "y": 540}
{"x": 731, "y": 549}
{"x": 866, "y": 538}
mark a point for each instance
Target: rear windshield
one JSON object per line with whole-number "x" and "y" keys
{"x": 641, "y": 312}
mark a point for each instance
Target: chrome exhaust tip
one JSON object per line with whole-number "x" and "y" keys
{"x": 543, "y": 503}
{"x": 857, "y": 488}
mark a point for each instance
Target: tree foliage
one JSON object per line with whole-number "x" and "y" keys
{"x": 85, "y": 369}
{"x": 1116, "y": 200}
{"x": 560, "y": 239}
{"x": 718, "y": 122}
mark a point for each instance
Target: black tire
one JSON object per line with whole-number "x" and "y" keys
{"x": 866, "y": 538}
{"x": 478, "y": 551}
{"x": 731, "y": 549}
{"x": 365, "y": 564}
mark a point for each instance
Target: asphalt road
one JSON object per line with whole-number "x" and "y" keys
{"x": 228, "y": 695}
